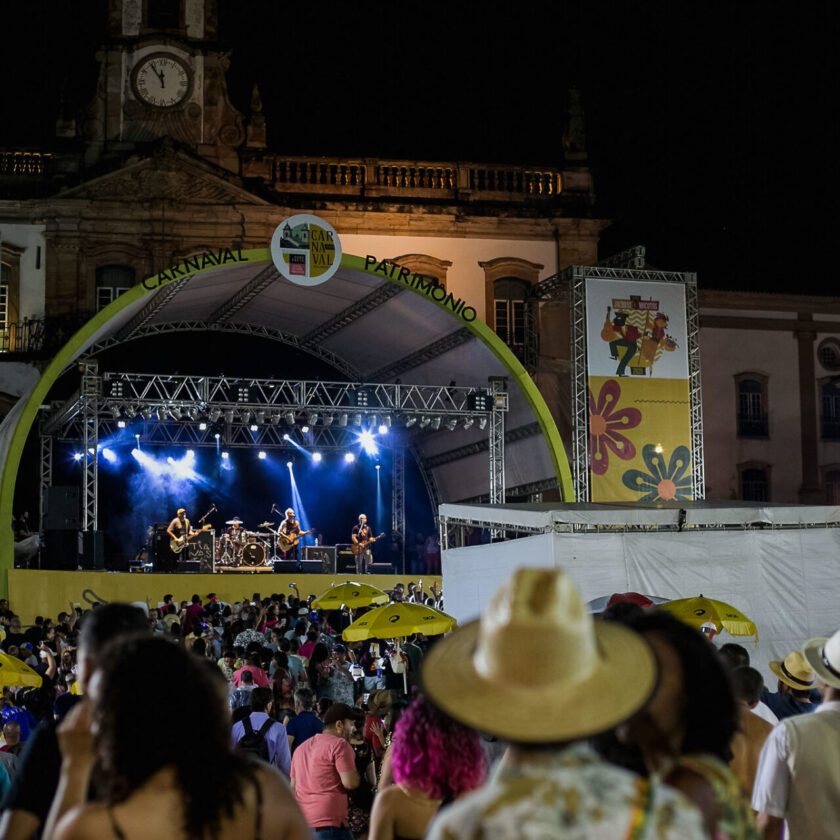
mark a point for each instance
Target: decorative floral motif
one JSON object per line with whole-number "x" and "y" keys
{"x": 605, "y": 426}
{"x": 664, "y": 482}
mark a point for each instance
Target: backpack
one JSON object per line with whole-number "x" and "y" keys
{"x": 254, "y": 742}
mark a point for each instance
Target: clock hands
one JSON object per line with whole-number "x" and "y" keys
{"x": 161, "y": 76}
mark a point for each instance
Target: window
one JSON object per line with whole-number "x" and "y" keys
{"x": 752, "y": 405}
{"x": 509, "y": 311}
{"x": 163, "y": 14}
{"x": 831, "y": 411}
{"x": 828, "y": 354}
{"x": 832, "y": 487}
{"x": 111, "y": 282}
{"x": 425, "y": 266}
{"x": 754, "y": 485}
{"x": 5, "y": 275}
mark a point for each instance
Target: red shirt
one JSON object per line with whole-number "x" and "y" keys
{"x": 316, "y": 765}
{"x": 260, "y": 677}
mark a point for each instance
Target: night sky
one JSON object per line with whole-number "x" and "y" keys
{"x": 712, "y": 128}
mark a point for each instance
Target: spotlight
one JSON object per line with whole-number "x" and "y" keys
{"x": 146, "y": 413}
{"x": 451, "y": 423}
{"x": 225, "y": 455}
{"x": 468, "y": 423}
{"x": 286, "y": 437}
{"x": 254, "y": 427}
{"x": 290, "y": 417}
{"x": 357, "y": 419}
{"x": 368, "y": 443}
{"x": 424, "y": 421}
{"x": 379, "y": 466}
{"x": 386, "y": 421}
{"x": 328, "y": 419}
{"x": 77, "y": 456}
{"x": 214, "y": 414}
{"x": 190, "y": 453}
{"x": 316, "y": 457}
{"x": 342, "y": 419}
{"x": 260, "y": 415}
{"x": 193, "y": 413}
{"x": 312, "y": 418}
{"x": 228, "y": 415}
{"x": 217, "y": 436}
{"x": 289, "y": 464}
{"x": 120, "y": 424}
{"x": 410, "y": 421}
{"x": 482, "y": 422}
{"x": 276, "y": 417}
{"x": 349, "y": 457}
{"x": 436, "y": 423}
{"x": 90, "y": 450}
{"x": 261, "y": 455}
{"x": 383, "y": 429}
{"x": 304, "y": 429}
{"x": 202, "y": 426}
{"x": 173, "y": 413}
{"x": 116, "y": 412}
{"x": 109, "y": 455}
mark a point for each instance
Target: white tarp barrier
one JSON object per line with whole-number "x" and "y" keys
{"x": 786, "y": 581}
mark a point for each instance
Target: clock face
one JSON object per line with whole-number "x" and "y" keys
{"x": 161, "y": 80}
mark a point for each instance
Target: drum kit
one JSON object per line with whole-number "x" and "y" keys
{"x": 248, "y": 549}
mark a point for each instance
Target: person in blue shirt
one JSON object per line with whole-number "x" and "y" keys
{"x": 305, "y": 723}
{"x": 794, "y": 689}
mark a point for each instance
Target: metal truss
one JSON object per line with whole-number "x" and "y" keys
{"x": 253, "y": 330}
{"x": 580, "y": 396}
{"x": 255, "y": 286}
{"x": 430, "y": 481}
{"x": 89, "y": 400}
{"x": 698, "y": 462}
{"x": 398, "y": 500}
{"x": 469, "y": 449}
{"x": 352, "y": 313}
{"x": 46, "y": 472}
{"x": 158, "y": 301}
{"x": 423, "y": 355}
{"x": 629, "y": 258}
{"x": 496, "y": 442}
{"x": 532, "y": 489}
{"x": 553, "y": 288}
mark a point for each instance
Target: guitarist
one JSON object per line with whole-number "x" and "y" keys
{"x": 290, "y": 527}
{"x": 362, "y": 536}
{"x": 180, "y": 531}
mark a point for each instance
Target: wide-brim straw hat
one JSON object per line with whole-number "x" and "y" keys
{"x": 537, "y": 668}
{"x": 381, "y": 702}
{"x": 823, "y": 655}
{"x": 794, "y": 671}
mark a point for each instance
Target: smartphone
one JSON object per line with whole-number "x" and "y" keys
{"x": 43, "y": 654}
{"x": 365, "y": 697}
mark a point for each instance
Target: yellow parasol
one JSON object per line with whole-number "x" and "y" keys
{"x": 398, "y": 620}
{"x": 352, "y": 594}
{"x": 700, "y": 611}
{"x": 14, "y": 671}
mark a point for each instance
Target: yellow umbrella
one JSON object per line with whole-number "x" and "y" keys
{"x": 700, "y": 611}
{"x": 397, "y": 620}
{"x": 14, "y": 671}
{"x": 351, "y": 594}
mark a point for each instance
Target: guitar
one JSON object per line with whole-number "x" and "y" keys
{"x": 178, "y": 545}
{"x": 361, "y": 546}
{"x": 286, "y": 542}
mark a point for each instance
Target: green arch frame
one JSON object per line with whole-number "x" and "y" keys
{"x": 28, "y": 415}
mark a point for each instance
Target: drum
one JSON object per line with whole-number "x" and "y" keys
{"x": 253, "y": 554}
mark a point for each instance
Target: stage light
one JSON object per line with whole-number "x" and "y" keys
{"x": 357, "y": 419}
{"x": 217, "y": 436}
{"x": 328, "y": 419}
{"x": 304, "y": 429}
{"x": 410, "y": 421}
{"x": 468, "y": 423}
{"x": 90, "y": 450}
{"x": 214, "y": 414}
{"x": 202, "y": 426}
{"x": 424, "y": 421}
{"x": 386, "y": 421}
{"x": 193, "y": 413}
{"x": 276, "y": 417}
{"x": 109, "y": 455}
{"x": 379, "y": 466}
{"x": 316, "y": 457}
{"x": 290, "y": 417}
{"x": 342, "y": 419}
{"x": 383, "y": 429}
{"x": 289, "y": 464}
{"x": 77, "y": 456}
{"x": 116, "y": 412}
{"x": 368, "y": 443}
{"x": 170, "y": 459}
{"x": 254, "y": 427}
{"x": 260, "y": 415}
{"x": 312, "y": 418}
{"x": 120, "y": 424}
{"x": 173, "y": 413}
{"x": 286, "y": 436}
{"x": 190, "y": 453}
{"x": 436, "y": 423}
{"x": 146, "y": 413}
{"x": 349, "y": 457}
{"x": 451, "y": 423}
{"x": 261, "y": 455}
{"x": 228, "y": 415}
{"x": 225, "y": 455}
{"x": 482, "y": 423}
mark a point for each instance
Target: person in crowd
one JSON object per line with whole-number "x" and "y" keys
{"x": 798, "y": 777}
{"x": 168, "y": 767}
{"x": 684, "y": 731}
{"x": 274, "y": 733}
{"x": 12, "y": 737}
{"x": 752, "y": 731}
{"x": 435, "y": 760}
{"x": 254, "y": 665}
{"x": 550, "y": 783}
{"x": 283, "y": 687}
{"x": 305, "y": 722}
{"x": 22, "y": 718}
{"x": 736, "y": 656}
{"x": 324, "y": 769}
{"x": 14, "y": 634}
{"x": 318, "y": 671}
{"x": 28, "y": 802}
{"x": 794, "y": 688}
{"x": 340, "y": 685}
{"x": 321, "y": 707}
{"x": 241, "y": 695}
{"x": 308, "y": 647}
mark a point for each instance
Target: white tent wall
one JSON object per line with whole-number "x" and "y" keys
{"x": 786, "y": 581}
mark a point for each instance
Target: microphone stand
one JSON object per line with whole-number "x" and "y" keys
{"x": 274, "y": 531}
{"x": 212, "y": 508}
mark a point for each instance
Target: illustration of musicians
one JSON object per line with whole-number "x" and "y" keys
{"x": 362, "y": 537}
{"x": 290, "y": 528}
{"x": 180, "y": 530}
{"x": 621, "y": 336}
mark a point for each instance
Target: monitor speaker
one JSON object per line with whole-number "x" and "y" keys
{"x": 323, "y": 555}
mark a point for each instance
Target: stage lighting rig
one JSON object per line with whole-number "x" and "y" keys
{"x": 290, "y": 418}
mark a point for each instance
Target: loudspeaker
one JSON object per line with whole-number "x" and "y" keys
{"x": 187, "y": 567}
{"x": 323, "y": 554}
{"x": 93, "y": 550}
{"x": 311, "y": 567}
{"x": 380, "y": 568}
{"x": 61, "y": 550}
{"x": 62, "y": 513}
{"x": 285, "y": 567}
{"x": 345, "y": 560}
{"x": 163, "y": 556}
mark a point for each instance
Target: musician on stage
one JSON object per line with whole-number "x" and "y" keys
{"x": 362, "y": 536}
{"x": 290, "y": 527}
{"x": 180, "y": 530}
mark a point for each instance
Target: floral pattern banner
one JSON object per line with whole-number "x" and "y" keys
{"x": 639, "y": 405}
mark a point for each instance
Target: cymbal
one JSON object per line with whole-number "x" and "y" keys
{"x": 233, "y": 522}
{"x": 265, "y": 525}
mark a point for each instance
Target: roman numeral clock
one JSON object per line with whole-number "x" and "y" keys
{"x": 161, "y": 80}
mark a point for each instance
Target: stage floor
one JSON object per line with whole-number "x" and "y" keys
{"x": 47, "y": 593}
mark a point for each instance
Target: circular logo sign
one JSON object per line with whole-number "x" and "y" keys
{"x": 306, "y": 250}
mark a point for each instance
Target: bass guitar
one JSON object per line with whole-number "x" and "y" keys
{"x": 286, "y": 542}
{"x": 361, "y": 546}
{"x": 179, "y": 544}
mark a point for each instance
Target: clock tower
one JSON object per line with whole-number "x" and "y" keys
{"x": 162, "y": 74}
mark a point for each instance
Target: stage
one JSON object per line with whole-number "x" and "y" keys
{"x": 47, "y": 593}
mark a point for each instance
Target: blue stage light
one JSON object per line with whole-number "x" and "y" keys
{"x": 261, "y": 455}
{"x": 316, "y": 457}
{"x": 349, "y": 457}
{"x": 366, "y": 439}
{"x": 289, "y": 464}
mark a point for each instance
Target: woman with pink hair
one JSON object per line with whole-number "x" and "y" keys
{"x": 434, "y": 760}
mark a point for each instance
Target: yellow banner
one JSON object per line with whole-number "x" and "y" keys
{"x": 639, "y": 439}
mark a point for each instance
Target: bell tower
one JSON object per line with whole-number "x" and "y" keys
{"x": 162, "y": 74}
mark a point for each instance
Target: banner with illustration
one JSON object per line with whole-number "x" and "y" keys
{"x": 639, "y": 407}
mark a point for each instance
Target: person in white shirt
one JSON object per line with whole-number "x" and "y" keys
{"x": 798, "y": 778}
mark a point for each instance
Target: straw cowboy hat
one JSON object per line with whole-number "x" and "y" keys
{"x": 793, "y": 671}
{"x": 381, "y": 702}
{"x": 823, "y": 655}
{"x": 537, "y": 668}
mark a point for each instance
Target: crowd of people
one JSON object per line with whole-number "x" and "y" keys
{"x": 204, "y": 719}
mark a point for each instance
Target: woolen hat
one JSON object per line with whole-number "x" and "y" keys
{"x": 823, "y": 655}
{"x": 536, "y": 668}
{"x": 793, "y": 671}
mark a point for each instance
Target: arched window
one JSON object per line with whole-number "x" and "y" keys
{"x": 752, "y": 405}
{"x": 755, "y": 484}
{"x": 509, "y": 310}
{"x": 111, "y": 282}
{"x": 831, "y": 410}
